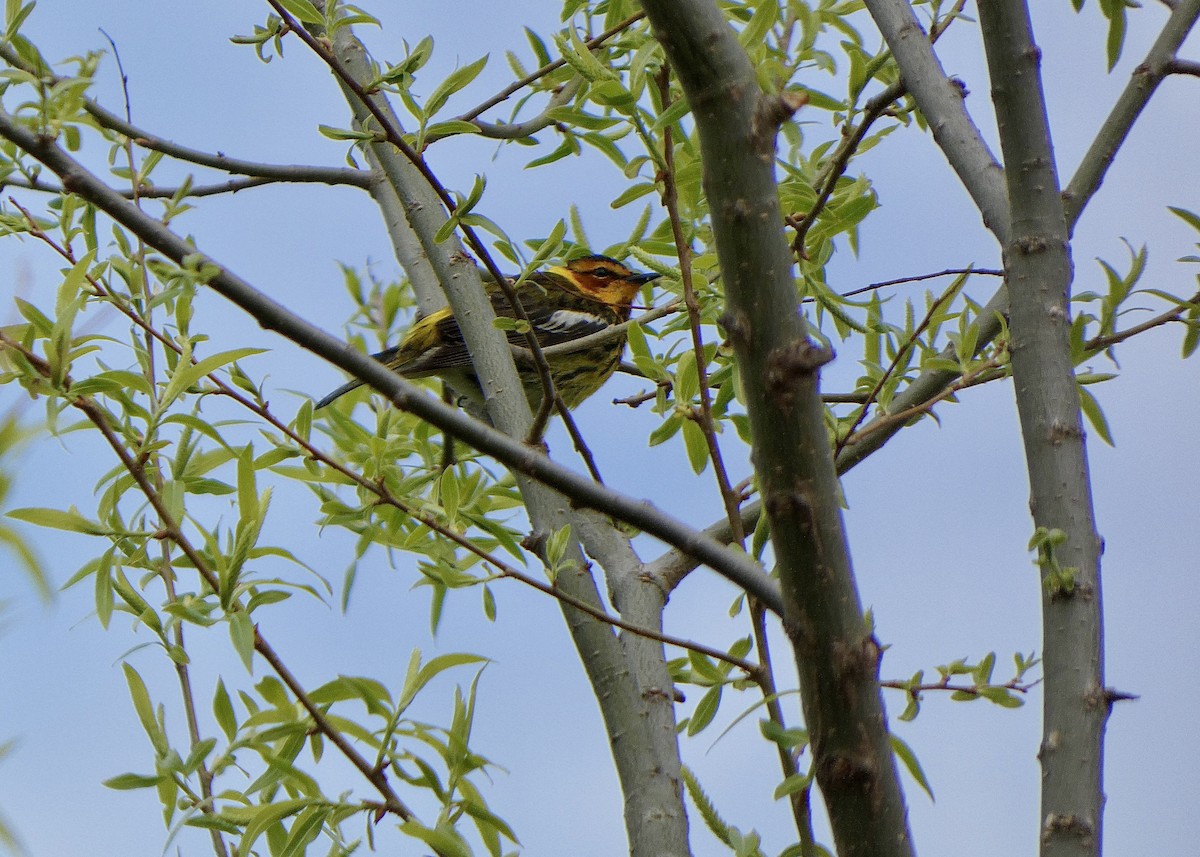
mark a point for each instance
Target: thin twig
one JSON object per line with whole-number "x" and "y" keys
{"x": 393, "y": 136}
{"x": 552, "y": 66}
{"x": 836, "y": 166}
{"x": 901, "y": 352}
{"x": 172, "y": 530}
{"x": 914, "y": 690}
{"x": 1178, "y": 66}
{"x": 150, "y": 192}
{"x": 268, "y": 172}
{"x": 683, "y": 249}
{"x": 916, "y": 278}
{"x": 989, "y": 370}
{"x": 1100, "y": 343}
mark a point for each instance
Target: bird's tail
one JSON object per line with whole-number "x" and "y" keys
{"x": 338, "y": 393}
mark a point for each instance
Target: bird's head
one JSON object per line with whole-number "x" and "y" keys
{"x": 605, "y": 279}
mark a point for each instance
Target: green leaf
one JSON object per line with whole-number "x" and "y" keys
{"x": 1188, "y": 217}
{"x": 791, "y": 785}
{"x": 104, "y": 589}
{"x": 419, "y": 676}
{"x": 145, "y": 709}
{"x": 188, "y": 374}
{"x": 706, "y": 710}
{"x": 124, "y": 782}
{"x": 633, "y": 192}
{"x": 450, "y": 128}
{"x": 246, "y": 488}
{"x": 696, "y": 445}
{"x": 1191, "y": 336}
{"x": 268, "y": 816}
{"x": 346, "y": 134}
{"x": 1001, "y": 696}
{"x": 305, "y": 829}
{"x": 459, "y": 79}
{"x": 577, "y": 55}
{"x": 1116, "y": 29}
{"x": 307, "y": 13}
{"x": 241, "y": 632}
{"x": 556, "y": 546}
{"x": 906, "y": 756}
{"x": 15, "y": 15}
{"x": 1095, "y": 416}
{"x": 443, "y": 839}
{"x": 69, "y": 520}
{"x": 680, "y": 108}
{"x": 223, "y": 711}
{"x": 761, "y": 22}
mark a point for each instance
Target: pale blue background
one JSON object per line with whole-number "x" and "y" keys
{"x": 938, "y": 520}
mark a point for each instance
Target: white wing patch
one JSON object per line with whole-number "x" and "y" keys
{"x": 569, "y": 322}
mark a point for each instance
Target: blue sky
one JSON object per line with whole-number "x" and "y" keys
{"x": 938, "y": 521}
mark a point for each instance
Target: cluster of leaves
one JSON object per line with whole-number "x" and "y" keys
{"x": 286, "y": 802}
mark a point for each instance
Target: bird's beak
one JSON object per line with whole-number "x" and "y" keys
{"x": 642, "y": 279}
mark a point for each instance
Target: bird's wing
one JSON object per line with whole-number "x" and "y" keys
{"x": 435, "y": 343}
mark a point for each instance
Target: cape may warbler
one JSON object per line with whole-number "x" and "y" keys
{"x": 564, "y": 303}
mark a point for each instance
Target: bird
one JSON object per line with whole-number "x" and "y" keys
{"x": 563, "y": 302}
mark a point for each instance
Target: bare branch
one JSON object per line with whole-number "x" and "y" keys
{"x": 269, "y": 172}
{"x": 941, "y": 100}
{"x": 836, "y": 657}
{"x": 1037, "y": 259}
{"x": 1129, "y": 106}
{"x": 151, "y": 192}
{"x": 1178, "y": 66}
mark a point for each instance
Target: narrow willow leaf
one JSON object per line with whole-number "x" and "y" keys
{"x": 906, "y": 756}
{"x": 706, "y": 710}
{"x": 223, "y": 712}
{"x": 458, "y": 79}
{"x": 145, "y": 709}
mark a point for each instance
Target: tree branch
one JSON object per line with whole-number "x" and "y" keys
{"x": 835, "y": 654}
{"x": 941, "y": 101}
{"x": 273, "y": 316}
{"x": 1038, "y": 265}
{"x": 266, "y": 172}
{"x": 916, "y": 64}
{"x": 628, "y": 673}
{"x": 592, "y": 43}
{"x": 1142, "y": 84}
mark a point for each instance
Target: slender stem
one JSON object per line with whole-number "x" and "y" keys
{"x": 393, "y": 136}
{"x": 1143, "y": 83}
{"x": 549, "y": 67}
{"x": 683, "y": 250}
{"x": 172, "y": 529}
{"x": 916, "y": 278}
{"x": 184, "y": 192}
{"x": 801, "y": 799}
{"x": 1037, "y": 259}
{"x": 264, "y": 172}
{"x": 1100, "y": 343}
{"x": 900, "y": 354}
